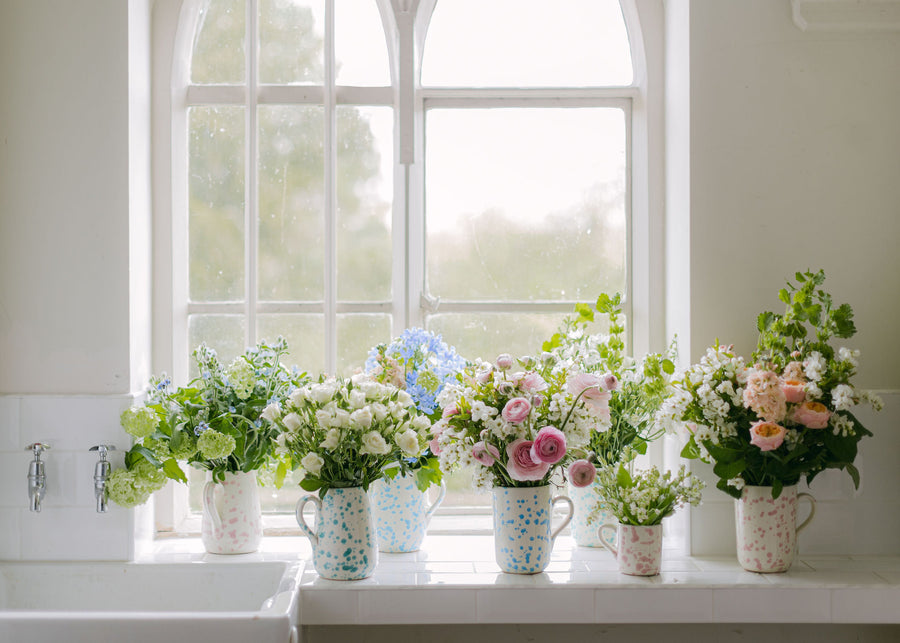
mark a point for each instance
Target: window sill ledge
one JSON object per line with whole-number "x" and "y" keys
{"x": 462, "y": 585}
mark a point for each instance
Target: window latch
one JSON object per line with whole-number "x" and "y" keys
{"x": 428, "y": 303}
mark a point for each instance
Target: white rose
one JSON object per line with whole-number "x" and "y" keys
{"x": 322, "y": 393}
{"x": 408, "y": 441}
{"x": 342, "y": 419}
{"x": 421, "y": 423}
{"x": 373, "y": 443}
{"x": 272, "y": 412}
{"x": 298, "y": 397}
{"x": 404, "y": 398}
{"x": 361, "y": 418}
{"x": 312, "y": 462}
{"x": 292, "y": 422}
{"x": 324, "y": 418}
{"x": 397, "y": 411}
{"x": 357, "y": 399}
{"x": 379, "y": 410}
{"x": 332, "y": 439}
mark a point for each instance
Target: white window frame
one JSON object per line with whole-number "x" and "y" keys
{"x": 174, "y": 24}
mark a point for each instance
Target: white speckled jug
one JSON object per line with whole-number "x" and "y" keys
{"x": 231, "y": 522}
{"x": 767, "y": 527}
{"x": 638, "y": 550}
{"x": 401, "y": 513}
{"x": 344, "y": 538}
{"x": 587, "y": 534}
{"x": 522, "y": 537}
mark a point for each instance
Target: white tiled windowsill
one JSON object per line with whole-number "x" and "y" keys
{"x": 454, "y": 580}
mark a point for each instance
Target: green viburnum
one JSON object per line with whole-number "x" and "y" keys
{"x": 214, "y": 445}
{"x": 131, "y": 488}
{"x": 139, "y": 421}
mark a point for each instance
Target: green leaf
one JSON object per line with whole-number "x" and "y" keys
{"x": 723, "y": 454}
{"x": 310, "y": 483}
{"x": 147, "y": 454}
{"x": 172, "y": 470}
{"x": 690, "y": 450}
{"x": 668, "y": 367}
{"x": 764, "y": 321}
{"x": 777, "y": 486}
{"x": 722, "y": 485}
{"x": 784, "y": 295}
{"x": 585, "y": 312}
{"x": 854, "y": 474}
{"x": 729, "y": 470}
{"x": 623, "y": 478}
{"x": 281, "y": 472}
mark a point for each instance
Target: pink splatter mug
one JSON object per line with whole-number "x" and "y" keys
{"x": 639, "y": 548}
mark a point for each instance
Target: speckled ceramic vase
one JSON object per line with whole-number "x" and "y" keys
{"x": 587, "y": 534}
{"x": 401, "y": 513}
{"x": 343, "y": 541}
{"x": 638, "y": 548}
{"x": 523, "y": 538}
{"x": 767, "y": 527}
{"x": 231, "y": 522}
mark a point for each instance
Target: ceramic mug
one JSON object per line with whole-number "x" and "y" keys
{"x": 401, "y": 512}
{"x": 766, "y": 527}
{"x": 523, "y": 539}
{"x": 585, "y": 532}
{"x": 639, "y": 548}
{"x": 231, "y": 522}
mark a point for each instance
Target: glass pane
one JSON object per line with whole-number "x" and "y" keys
{"x": 356, "y": 334}
{"x": 218, "y": 56}
{"x": 305, "y": 335}
{"x": 291, "y": 196}
{"x": 291, "y": 36}
{"x": 222, "y": 333}
{"x": 552, "y": 180}
{"x": 521, "y": 43}
{"x": 487, "y": 335}
{"x": 364, "y": 197}
{"x": 216, "y": 210}
{"x": 360, "y": 47}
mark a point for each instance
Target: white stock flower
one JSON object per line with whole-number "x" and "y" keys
{"x": 849, "y": 356}
{"x": 814, "y": 367}
{"x": 408, "y": 441}
{"x": 842, "y": 397}
{"x": 374, "y": 444}
{"x": 312, "y": 462}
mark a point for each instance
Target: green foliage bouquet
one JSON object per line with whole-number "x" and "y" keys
{"x": 216, "y": 422}
{"x": 788, "y": 416}
{"x": 341, "y": 433}
{"x": 638, "y": 387}
{"x": 645, "y": 497}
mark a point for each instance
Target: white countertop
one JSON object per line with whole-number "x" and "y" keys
{"x": 453, "y": 579}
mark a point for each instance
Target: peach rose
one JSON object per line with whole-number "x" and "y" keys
{"x": 812, "y": 415}
{"x": 766, "y": 435}
{"x": 794, "y": 392}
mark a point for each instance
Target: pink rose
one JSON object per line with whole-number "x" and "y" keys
{"x": 530, "y": 382}
{"x": 609, "y": 382}
{"x": 766, "y": 435}
{"x": 549, "y": 445}
{"x": 486, "y": 454}
{"x": 812, "y": 415}
{"x": 793, "y": 391}
{"x": 581, "y": 473}
{"x": 521, "y": 466}
{"x": 589, "y": 387}
{"x": 505, "y": 362}
{"x": 433, "y": 443}
{"x": 516, "y": 410}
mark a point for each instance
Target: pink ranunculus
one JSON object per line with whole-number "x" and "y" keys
{"x": 531, "y": 382}
{"x": 449, "y": 411}
{"x": 588, "y": 386}
{"x": 766, "y": 435}
{"x": 549, "y": 445}
{"x": 812, "y": 415}
{"x": 516, "y": 410}
{"x": 609, "y": 382}
{"x": 505, "y": 361}
{"x": 794, "y": 392}
{"x": 485, "y": 453}
{"x": 581, "y": 473}
{"x": 520, "y": 465}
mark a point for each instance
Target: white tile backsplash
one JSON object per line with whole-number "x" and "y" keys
{"x": 73, "y": 423}
{"x": 77, "y": 533}
{"x": 9, "y": 423}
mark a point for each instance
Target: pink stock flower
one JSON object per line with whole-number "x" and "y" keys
{"x": 766, "y": 435}
{"x": 609, "y": 382}
{"x": 581, "y": 473}
{"x": 763, "y": 395}
{"x": 589, "y": 387}
{"x": 521, "y": 466}
{"x": 812, "y": 415}
{"x": 549, "y": 445}
{"x": 516, "y": 410}
{"x": 486, "y": 454}
{"x": 793, "y": 390}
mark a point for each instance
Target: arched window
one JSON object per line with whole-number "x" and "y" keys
{"x": 343, "y": 169}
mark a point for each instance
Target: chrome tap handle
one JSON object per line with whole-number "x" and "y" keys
{"x": 101, "y": 473}
{"x": 37, "y": 477}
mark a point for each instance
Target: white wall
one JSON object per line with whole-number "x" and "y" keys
{"x": 794, "y": 152}
{"x": 74, "y": 261}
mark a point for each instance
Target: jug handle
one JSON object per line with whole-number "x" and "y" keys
{"x": 603, "y": 540}
{"x": 434, "y": 505}
{"x": 812, "y": 509}
{"x": 566, "y": 520}
{"x": 302, "y": 522}
{"x": 209, "y": 505}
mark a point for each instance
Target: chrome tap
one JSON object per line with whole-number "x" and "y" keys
{"x": 101, "y": 474}
{"x": 37, "y": 479}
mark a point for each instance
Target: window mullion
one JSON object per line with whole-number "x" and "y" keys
{"x": 251, "y": 189}
{"x": 330, "y": 170}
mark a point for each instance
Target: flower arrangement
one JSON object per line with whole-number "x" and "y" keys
{"x": 645, "y": 497}
{"x": 421, "y": 363}
{"x": 342, "y": 432}
{"x": 216, "y": 422}
{"x": 638, "y": 387}
{"x": 787, "y": 416}
{"x": 514, "y": 428}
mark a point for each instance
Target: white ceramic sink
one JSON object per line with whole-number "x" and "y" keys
{"x": 222, "y": 602}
